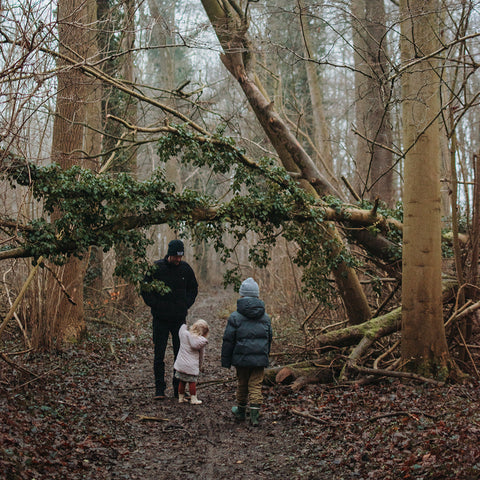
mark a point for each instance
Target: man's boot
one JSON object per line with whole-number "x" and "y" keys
{"x": 159, "y": 391}
{"x": 239, "y": 412}
{"x": 194, "y": 400}
{"x": 254, "y": 414}
{"x": 175, "y": 382}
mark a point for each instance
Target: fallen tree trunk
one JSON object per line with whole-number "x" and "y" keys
{"x": 373, "y": 329}
{"x": 326, "y": 368}
{"x": 322, "y": 370}
{"x": 272, "y": 375}
{"x": 376, "y": 327}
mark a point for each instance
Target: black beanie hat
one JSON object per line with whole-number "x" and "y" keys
{"x": 175, "y": 247}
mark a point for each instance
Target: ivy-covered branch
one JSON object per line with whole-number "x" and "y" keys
{"x": 105, "y": 209}
{"x": 109, "y": 208}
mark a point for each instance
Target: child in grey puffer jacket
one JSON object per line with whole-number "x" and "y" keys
{"x": 246, "y": 346}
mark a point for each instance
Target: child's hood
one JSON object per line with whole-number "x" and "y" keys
{"x": 251, "y": 307}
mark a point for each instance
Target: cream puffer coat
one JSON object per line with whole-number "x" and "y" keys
{"x": 192, "y": 350}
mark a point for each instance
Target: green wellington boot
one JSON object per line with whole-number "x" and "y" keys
{"x": 254, "y": 414}
{"x": 239, "y": 412}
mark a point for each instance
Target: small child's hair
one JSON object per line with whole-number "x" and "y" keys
{"x": 200, "y": 328}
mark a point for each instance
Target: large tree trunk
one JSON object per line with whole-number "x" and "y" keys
{"x": 424, "y": 347}
{"x": 163, "y": 76}
{"x": 238, "y": 57}
{"x": 374, "y": 162}
{"x": 320, "y": 127}
{"x": 64, "y": 315}
{"x": 126, "y": 291}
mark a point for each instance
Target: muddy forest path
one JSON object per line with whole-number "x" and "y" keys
{"x": 182, "y": 441}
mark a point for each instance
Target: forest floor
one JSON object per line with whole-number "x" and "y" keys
{"x": 92, "y": 416}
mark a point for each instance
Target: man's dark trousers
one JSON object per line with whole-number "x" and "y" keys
{"x": 161, "y": 330}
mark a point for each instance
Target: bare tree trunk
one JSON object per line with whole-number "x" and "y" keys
{"x": 374, "y": 161}
{"x": 163, "y": 13}
{"x": 93, "y": 145}
{"x": 424, "y": 347}
{"x": 320, "y": 126}
{"x": 126, "y": 291}
{"x": 472, "y": 272}
{"x": 163, "y": 76}
{"x": 64, "y": 315}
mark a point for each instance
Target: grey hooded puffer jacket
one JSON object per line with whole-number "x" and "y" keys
{"x": 248, "y": 335}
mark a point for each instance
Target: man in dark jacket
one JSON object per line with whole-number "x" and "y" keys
{"x": 246, "y": 346}
{"x": 169, "y": 310}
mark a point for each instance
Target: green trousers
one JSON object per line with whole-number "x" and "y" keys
{"x": 249, "y": 385}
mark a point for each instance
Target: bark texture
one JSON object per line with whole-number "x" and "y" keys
{"x": 64, "y": 314}
{"x": 374, "y": 161}
{"x": 424, "y": 346}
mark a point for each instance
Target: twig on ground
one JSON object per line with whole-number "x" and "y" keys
{"x": 5, "y": 358}
{"x": 385, "y": 353}
{"x": 152, "y": 419}
{"x": 112, "y": 349}
{"x": 37, "y": 378}
{"x": 309, "y": 416}
{"x": 22, "y": 352}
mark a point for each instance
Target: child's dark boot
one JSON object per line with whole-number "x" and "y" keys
{"x": 239, "y": 412}
{"x": 254, "y": 414}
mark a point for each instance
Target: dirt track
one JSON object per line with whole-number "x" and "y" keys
{"x": 199, "y": 441}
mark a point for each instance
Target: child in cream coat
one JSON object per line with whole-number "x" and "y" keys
{"x": 190, "y": 357}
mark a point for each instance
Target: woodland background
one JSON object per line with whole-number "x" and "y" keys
{"x": 327, "y": 149}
